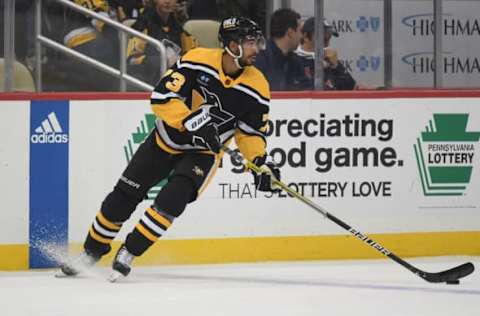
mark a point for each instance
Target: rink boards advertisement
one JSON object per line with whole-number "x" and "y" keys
{"x": 387, "y": 166}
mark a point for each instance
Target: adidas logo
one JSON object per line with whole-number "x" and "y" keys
{"x": 50, "y": 131}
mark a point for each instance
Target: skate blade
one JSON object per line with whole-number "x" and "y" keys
{"x": 59, "y": 274}
{"x": 115, "y": 276}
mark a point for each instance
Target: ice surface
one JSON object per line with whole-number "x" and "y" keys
{"x": 366, "y": 287}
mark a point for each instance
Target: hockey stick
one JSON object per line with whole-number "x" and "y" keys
{"x": 450, "y": 276}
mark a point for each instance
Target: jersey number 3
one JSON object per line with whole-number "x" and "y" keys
{"x": 176, "y": 82}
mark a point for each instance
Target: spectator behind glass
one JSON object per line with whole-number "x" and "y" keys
{"x": 127, "y": 9}
{"x": 336, "y": 77}
{"x": 278, "y": 61}
{"x": 158, "y": 22}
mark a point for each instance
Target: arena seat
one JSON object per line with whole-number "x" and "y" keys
{"x": 23, "y": 80}
{"x": 205, "y": 31}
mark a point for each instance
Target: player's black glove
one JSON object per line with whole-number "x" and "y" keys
{"x": 263, "y": 180}
{"x": 208, "y": 136}
{"x": 204, "y": 132}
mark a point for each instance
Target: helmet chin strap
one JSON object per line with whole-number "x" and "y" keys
{"x": 236, "y": 58}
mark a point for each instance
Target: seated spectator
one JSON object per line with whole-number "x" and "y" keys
{"x": 127, "y": 9}
{"x": 91, "y": 36}
{"x": 96, "y": 39}
{"x": 158, "y": 22}
{"x": 336, "y": 77}
{"x": 278, "y": 61}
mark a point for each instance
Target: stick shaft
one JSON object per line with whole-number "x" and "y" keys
{"x": 367, "y": 240}
{"x": 449, "y": 275}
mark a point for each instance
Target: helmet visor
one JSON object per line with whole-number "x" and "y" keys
{"x": 257, "y": 41}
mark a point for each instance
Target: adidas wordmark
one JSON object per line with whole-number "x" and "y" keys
{"x": 50, "y": 131}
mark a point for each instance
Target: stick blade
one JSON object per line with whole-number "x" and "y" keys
{"x": 450, "y": 275}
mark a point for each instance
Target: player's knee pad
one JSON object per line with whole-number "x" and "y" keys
{"x": 174, "y": 197}
{"x": 119, "y": 205}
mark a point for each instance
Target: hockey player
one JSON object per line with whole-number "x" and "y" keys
{"x": 208, "y": 97}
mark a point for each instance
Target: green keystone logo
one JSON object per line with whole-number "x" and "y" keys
{"x": 445, "y": 155}
{"x": 138, "y": 137}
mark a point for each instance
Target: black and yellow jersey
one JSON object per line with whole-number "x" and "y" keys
{"x": 83, "y": 29}
{"x": 239, "y": 106}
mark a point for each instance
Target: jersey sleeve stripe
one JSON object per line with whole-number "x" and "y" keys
{"x": 157, "y": 96}
{"x": 254, "y": 91}
{"x": 163, "y": 134}
{"x": 247, "y": 129}
{"x": 253, "y": 94}
{"x": 201, "y": 67}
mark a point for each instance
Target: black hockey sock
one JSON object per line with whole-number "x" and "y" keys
{"x": 100, "y": 235}
{"x": 151, "y": 226}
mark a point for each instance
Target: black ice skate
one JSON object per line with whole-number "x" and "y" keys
{"x": 73, "y": 267}
{"x": 121, "y": 264}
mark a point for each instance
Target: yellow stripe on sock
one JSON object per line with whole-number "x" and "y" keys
{"x": 159, "y": 218}
{"x": 105, "y": 222}
{"x": 99, "y": 238}
{"x": 146, "y": 233}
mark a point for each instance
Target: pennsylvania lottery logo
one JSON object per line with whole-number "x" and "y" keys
{"x": 146, "y": 126}
{"x": 445, "y": 155}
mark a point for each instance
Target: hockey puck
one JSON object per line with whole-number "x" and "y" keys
{"x": 453, "y": 282}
